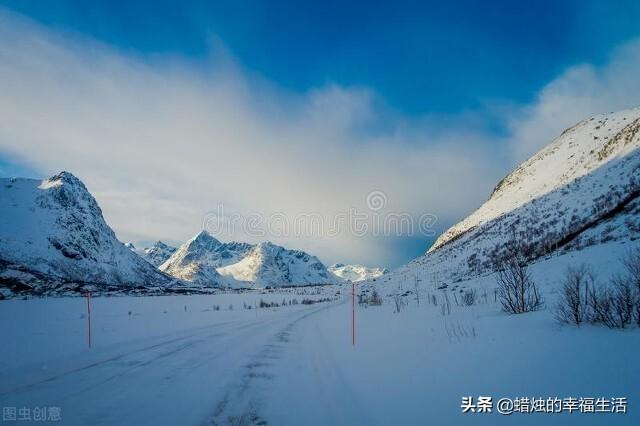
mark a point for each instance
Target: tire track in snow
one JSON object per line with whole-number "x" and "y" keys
{"x": 241, "y": 404}
{"x": 192, "y": 369}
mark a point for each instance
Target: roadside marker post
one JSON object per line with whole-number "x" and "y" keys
{"x": 353, "y": 313}
{"x": 88, "y": 295}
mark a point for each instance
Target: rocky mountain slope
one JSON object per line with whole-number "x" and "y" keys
{"x": 206, "y": 261}
{"x": 268, "y": 264}
{"x": 158, "y": 253}
{"x": 53, "y": 238}
{"x": 582, "y": 189}
{"x": 198, "y": 259}
{"x": 356, "y": 273}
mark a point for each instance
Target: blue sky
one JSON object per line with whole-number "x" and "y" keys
{"x": 432, "y": 81}
{"x": 421, "y": 56}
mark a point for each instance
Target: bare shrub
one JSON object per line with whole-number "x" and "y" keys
{"x": 600, "y": 306}
{"x": 622, "y": 301}
{"x": 612, "y": 306}
{"x": 397, "y": 301}
{"x": 445, "y": 306}
{"x": 469, "y": 297}
{"x": 516, "y": 289}
{"x": 618, "y": 305}
{"x": 375, "y": 299}
{"x": 573, "y": 306}
{"x": 631, "y": 262}
{"x": 372, "y": 299}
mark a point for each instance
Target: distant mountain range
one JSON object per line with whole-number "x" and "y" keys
{"x": 206, "y": 261}
{"x": 582, "y": 189}
{"x": 54, "y": 241}
{"x": 356, "y": 273}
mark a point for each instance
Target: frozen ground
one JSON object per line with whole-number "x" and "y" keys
{"x": 295, "y": 365}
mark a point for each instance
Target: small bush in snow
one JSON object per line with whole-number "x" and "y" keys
{"x": 516, "y": 290}
{"x": 616, "y": 305}
{"x": 375, "y": 298}
{"x": 601, "y": 307}
{"x": 397, "y": 302}
{"x": 619, "y": 305}
{"x": 469, "y": 297}
{"x": 372, "y": 299}
{"x": 622, "y": 301}
{"x": 573, "y": 307}
{"x": 631, "y": 262}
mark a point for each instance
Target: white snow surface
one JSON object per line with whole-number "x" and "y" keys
{"x": 178, "y": 360}
{"x": 356, "y": 273}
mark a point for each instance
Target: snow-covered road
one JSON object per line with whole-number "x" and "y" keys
{"x": 208, "y": 374}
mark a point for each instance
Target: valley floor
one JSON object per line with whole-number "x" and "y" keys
{"x": 180, "y": 360}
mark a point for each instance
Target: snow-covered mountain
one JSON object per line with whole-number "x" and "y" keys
{"x": 158, "y": 253}
{"x": 198, "y": 259}
{"x": 582, "y": 189}
{"x": 356, "y": 273}
{"x": 205, "y": 260}
{"x": 268, "y": 264}
{"x": 54, "y": 238}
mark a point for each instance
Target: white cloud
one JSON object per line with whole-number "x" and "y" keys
{"x": 580, "y": 92}
{"x": 162, "y": 142}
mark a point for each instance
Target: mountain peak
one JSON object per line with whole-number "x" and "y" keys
{"x": 269, "y": 264}
{"x": 197, "y": 259}
{"x": 158, "y": 253}
{"x": 356, "y": 273}
{"x": 203, "y": 238}
{"x": 62, "y": 178}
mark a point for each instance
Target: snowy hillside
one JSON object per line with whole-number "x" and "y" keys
{"x": 270, "y": 265}
{"x": 53, "y": 238}
{"x": 158, "y": 253}
{"x": 580, "y": 190}
{"x": 356, "y": 273}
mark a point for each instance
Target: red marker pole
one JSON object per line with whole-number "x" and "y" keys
{"x": 89, "y": 317}
{"x": 353, "y": 314}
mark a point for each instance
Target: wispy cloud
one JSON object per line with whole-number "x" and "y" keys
{"x": 580, "y": 91}
{"x": 161, "y": 142}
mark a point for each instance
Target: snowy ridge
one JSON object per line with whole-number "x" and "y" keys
{"x": 271, "y": 265}
{"x": 158, "y": 253}
{"x": 578, "y": 151}
{"x": 356, "y": 273}
{"x": 197, "y": 260}
{"x": 582, "y": 189}
{"x": 53, "y": 238}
